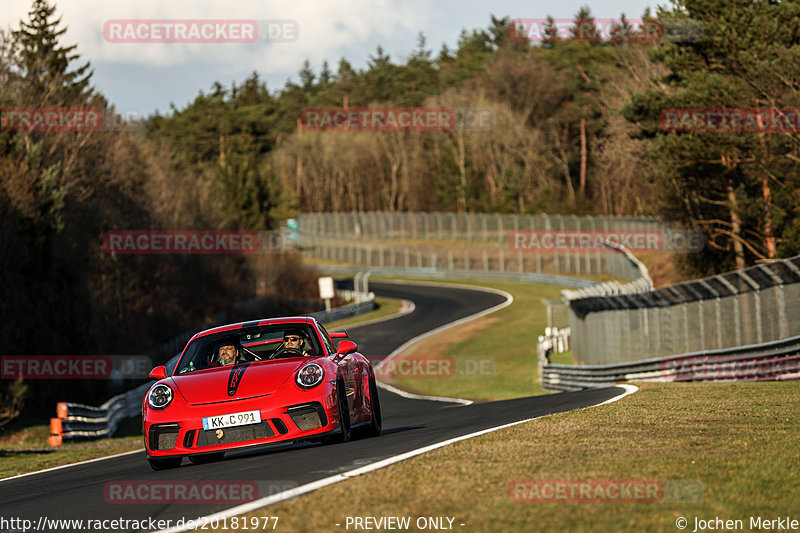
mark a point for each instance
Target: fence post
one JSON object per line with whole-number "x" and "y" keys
{"x": 500, "y": 227}
{"x": 779, "y": 301}
{"x": 756, "y": 302}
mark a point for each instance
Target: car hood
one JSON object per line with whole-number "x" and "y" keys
{"x": 244, "y": 380}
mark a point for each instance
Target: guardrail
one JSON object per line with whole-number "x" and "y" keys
{"x": 79, "y": 421}
{"x": 777, "y": 360}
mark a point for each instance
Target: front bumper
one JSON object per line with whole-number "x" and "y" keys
{"x": 178, "y": 429}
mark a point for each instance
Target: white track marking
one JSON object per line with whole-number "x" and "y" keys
{"x": 72, "y": 464}
{"x": 412, "y": 396}
{"x": 629, "y": 389}
{"x": 314, "y": 485}
{"x": 406, "y": 308}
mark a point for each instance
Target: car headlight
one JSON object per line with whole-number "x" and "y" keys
{"x": 310, "y": 375}
{"x": 159, "y": 396}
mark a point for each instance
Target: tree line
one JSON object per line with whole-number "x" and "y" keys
{"x": 61, "y": 191}
{"x": 576, "y": 129}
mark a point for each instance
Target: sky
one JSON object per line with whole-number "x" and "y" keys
{"x": 142, "y": 78}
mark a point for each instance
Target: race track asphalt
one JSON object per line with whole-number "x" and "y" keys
{"x": 78, "y": 491}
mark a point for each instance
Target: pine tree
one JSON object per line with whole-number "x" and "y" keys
{"x": 46, "y": 64}
{"x": 739, "y": 188}
{"x": 583, "y": 27}
{"x": 550, "y": 34}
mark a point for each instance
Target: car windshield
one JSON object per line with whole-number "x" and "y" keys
{"x": 254, "y": 344}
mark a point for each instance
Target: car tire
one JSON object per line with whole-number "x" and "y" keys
{"x": 206, "y": 458}
{"x": 345, "y": 430}
{"x": 164, "y": 464}
{"x": 375, "y": 423}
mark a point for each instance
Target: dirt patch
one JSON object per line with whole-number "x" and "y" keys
{"x": 661, "y": 268}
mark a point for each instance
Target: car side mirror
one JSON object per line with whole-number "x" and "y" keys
{"x": 159, "y": 372}
{"x": 346, "y": 347}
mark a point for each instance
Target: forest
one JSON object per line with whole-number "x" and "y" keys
{"x": 576, "y": 128}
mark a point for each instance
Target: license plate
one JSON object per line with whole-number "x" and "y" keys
{"x": 234, "y": 419}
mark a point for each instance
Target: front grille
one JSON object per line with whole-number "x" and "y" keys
{"x": 306, "y": 421}
{"x": 234, "y": 434}
{"x": 163, "y": 436}
{"x": 188, "y": 440}
{"x": 308, "y": 416}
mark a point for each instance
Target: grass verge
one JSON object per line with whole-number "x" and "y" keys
{"x": 736, "y": 442}
{"x": 494, "y": 356}
{"x": 385, "y": 307}
{"x": 26, "y": 450}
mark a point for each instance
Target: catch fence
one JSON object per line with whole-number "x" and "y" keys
{"x": 464, "y": 242}
{"x": 753, "y": 306}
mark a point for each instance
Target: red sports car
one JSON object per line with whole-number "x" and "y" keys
{"x": 260, "y": 382}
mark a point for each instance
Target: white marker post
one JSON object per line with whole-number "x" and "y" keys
{"x": 326, "y": 291}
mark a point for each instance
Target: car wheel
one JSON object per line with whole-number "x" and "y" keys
{"x": 206, "y": 458}
{"x": 375, "y": 423}
{"x": 164, "y": 464}
{"x": 345, "y": 431}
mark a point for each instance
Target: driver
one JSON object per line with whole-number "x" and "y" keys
{"x": 294, "y": 340}
{"x": 227, "y": 354}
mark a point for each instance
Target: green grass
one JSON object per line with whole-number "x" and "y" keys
{"x": 563, "y": 358}
{"x": 507, "y": 340}
{"x": 26, "y": 449}
{"x": 385, "y": 307}
{"x": 733, "y": 444}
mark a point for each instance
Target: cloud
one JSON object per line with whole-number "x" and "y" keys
{"x": 325, "y": 30}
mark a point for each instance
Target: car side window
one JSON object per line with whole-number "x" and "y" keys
{"x": 327, "y": 339}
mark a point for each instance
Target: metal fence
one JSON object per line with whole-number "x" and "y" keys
{"x": 470, "y": 227}
{"x": 746, "y": 307}
{"x": 464, "y": 242}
